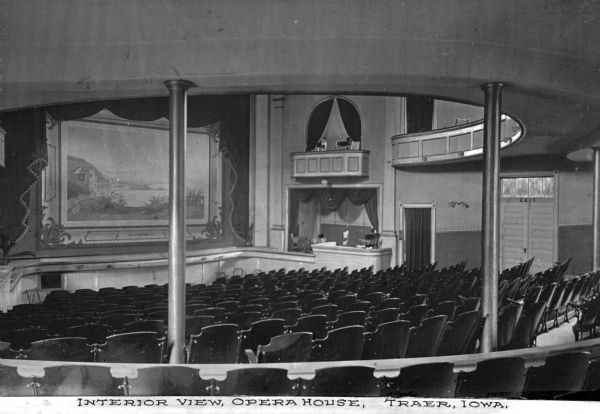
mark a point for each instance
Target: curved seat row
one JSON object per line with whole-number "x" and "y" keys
{"x": 500, "y": 377}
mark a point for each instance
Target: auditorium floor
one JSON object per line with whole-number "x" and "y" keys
{"x": 561, "y": 335}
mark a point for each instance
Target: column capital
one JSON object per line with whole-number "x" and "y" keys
{"x": 492, "y": 86}
{"x": 175, "y": 84}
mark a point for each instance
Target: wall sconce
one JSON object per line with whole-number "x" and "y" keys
{"x": 458, "y": 203}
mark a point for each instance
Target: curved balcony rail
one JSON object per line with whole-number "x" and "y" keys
{"x": 449, "y": 144}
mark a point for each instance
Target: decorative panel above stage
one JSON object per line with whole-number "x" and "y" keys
{"x": 331, "y": 164}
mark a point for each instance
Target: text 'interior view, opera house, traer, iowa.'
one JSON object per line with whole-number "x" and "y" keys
{"x": 343, "y": 198}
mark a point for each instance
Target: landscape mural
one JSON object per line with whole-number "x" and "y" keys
{"x": 118, "y": 175}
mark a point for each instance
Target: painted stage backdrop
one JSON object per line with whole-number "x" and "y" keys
{"x": 118, "y": 175}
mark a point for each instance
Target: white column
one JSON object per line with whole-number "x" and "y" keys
{"x": 261, "y": 174}
{"x": 277, "y": 215}
{"x": 389, "y": 224}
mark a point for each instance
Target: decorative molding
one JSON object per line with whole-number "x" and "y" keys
{"x": 213, "y": 131}
{"x": 51, "y": 175}
{"x": 452, "y": 229}
{"x": 322, "y": 164}
{"x": 575, "y": 223}
{"x": 388, "y": 233}
{"x": 214, "y": 228}
{"x": 53, "y": 234}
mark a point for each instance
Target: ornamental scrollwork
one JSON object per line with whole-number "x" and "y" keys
{"x": 214, "y": 228}
{"x": 53, "y": 233}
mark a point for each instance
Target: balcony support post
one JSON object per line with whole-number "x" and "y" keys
{"x": 596, "y": 211}
{"x": 491, "y": 214}
{"x": 177, "y": 138}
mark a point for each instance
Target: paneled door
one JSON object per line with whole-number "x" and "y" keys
{"x": 528, "y": 222}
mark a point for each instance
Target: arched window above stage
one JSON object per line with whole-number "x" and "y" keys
{"x": 335, "y": 121}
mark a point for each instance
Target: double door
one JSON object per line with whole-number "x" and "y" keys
{"x": 528, "y": 229}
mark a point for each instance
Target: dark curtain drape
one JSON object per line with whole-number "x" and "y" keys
{"x": 418, "y": 237}
{"x": 233, "y": 115}
{"x": 368, "y": 198}
{"x": 419, "y": 114}
{"x": 330, "y": 199}
{"x": 298, "y": 196}
{"x": 25, "y": 157}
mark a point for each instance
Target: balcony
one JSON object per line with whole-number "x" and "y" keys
{"x": 322, "y": 164}
{"x": 449, "y": 144}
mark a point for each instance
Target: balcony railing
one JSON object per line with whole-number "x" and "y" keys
{"x": 449, "y": 144}
{"x": 351, "y": 163}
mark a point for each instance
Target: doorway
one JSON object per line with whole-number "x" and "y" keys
{"x": 419, "y": 235}
{"x": 528, "y": 221}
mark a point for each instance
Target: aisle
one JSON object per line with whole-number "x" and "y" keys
{"x": 561, "y": 335}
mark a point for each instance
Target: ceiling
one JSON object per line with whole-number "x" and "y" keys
{"x": 545, "y": 52}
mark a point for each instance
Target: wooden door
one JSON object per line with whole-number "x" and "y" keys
{"x": 527, "y": 230}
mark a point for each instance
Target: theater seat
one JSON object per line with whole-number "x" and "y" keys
{"x": 143, "y": 347}
{"x": 526, "y": 330}
{"x": 168, "y": 381}
{"x": 194, "y": 324}
{"x": 328, "y": 310}
{"x": 289, "y": 315}
{"x": 216, "y": 344}
{"x": 94, "y": 333}
{"x": 350, "y": 318}
{"x": 61, "y": 349}
{"x": 14, "y": 385}
{"x": 150, "y": 325}
{"x": 342, "y": 344}
{"x": 560, "y": 374}
{"x": 21, "y": 339}
{"x": 59, "y": 326}
{"x": 317, "y": 324}
{"x": 260, "y": 333}
{"x": 437, "y": 380}
{"x": 390, "y": 340}
{"x": 79, "y": 380}
{"x": 292, "y": 347}
{"x": 459, "y": 334}
{"x": 244, "y": 319}
{"x": 425, "y": 340}
{"x": 355, "y": 381}
{"x": 592, "y": 380}
{"x": 256, "y": 381}
{"x": 498, "y": 377}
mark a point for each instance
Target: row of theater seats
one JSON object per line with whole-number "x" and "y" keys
{"x": 250, "y": 310}
{"x": 535, "y": 303}
{"x": 273, "y": 341}
{"x": 565, "y": 375}
{"x": 97, "y": 316}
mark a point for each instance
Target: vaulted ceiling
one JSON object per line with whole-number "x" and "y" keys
{"x": 546, "y": 53}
